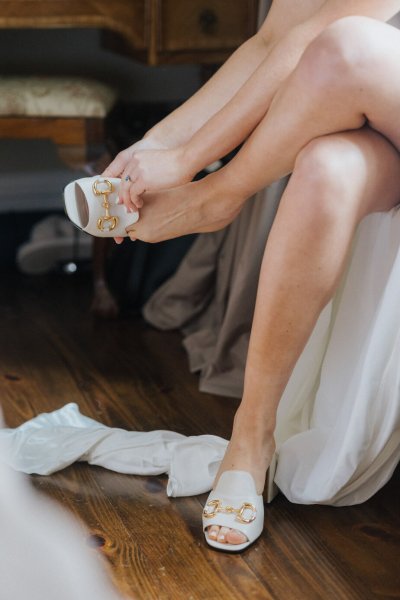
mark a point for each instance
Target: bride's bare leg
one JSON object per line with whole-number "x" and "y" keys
{"x": 347, "y": 77}
{"x": 337, "y": 180}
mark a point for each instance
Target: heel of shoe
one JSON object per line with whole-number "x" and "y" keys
{"x": 271, "y": 490}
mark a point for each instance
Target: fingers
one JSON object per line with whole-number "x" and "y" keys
{"x": 117, "y": 166}
{"x": 126, "y": 167}
{"x": 136, "y": 189}
{"x": 131, "y": 188}
{"x": 124, "y": 196}
{"x": 132, "y": 235}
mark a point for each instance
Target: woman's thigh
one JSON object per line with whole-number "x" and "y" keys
{"x": 356, "y": 61}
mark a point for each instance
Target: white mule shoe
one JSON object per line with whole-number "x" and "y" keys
{"x": 91, "y": 204}
{"x": 234, "y": 503}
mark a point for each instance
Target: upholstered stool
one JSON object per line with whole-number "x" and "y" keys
{"x": 68, "y": 110}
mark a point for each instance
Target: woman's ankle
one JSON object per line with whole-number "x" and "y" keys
{"x": 247, "y": 454}
{"x": 259, "y": 424}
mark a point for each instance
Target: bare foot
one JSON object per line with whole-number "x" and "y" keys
{"x": 196, "y": 207}
{"x": 244, "y": 453}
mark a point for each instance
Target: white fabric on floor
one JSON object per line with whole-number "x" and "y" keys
{"x": 53, "y": 441}
{"x": 338, "y": 431}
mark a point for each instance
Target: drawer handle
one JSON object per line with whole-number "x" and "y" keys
{"x": 208, "y": 21}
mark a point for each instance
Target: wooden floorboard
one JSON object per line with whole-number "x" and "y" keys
{"x": 128, "y": 375}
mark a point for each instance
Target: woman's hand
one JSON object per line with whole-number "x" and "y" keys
{"x": 117, "y": 166}
{"x": 148, "y": 166}
{"x": 152, "y": 170}
{"x": 121, "y": 162}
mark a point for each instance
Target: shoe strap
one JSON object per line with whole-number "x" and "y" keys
{"x": 106, "y": 218}
{"x": 237, "y": 508}
{"x": 236, "y": 482}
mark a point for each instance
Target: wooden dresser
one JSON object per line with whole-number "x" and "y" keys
{"x": 153, "y": 31}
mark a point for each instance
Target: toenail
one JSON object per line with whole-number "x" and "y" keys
{"x": 222, "y": 537}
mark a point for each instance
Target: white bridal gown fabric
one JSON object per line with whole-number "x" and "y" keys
{"x": 338, "y": 428}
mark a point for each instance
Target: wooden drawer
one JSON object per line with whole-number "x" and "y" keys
{"x": 201, "y": 30}
{"x": 155, "y": 31}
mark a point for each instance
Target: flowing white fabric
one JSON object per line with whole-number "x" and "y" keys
{"x": 53, "y": 441}
{"x": 338, "y": 427}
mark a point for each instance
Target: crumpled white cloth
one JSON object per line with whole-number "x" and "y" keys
{"x": 53, "y": 441}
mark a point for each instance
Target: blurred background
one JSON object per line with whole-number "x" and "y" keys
{"x": 78, "y": 83}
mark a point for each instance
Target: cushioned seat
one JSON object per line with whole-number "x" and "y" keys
{"x": 68, "y": 110}
{"x": 54, "y": 97}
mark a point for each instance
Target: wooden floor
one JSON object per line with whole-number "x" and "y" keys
{"x": 125, "y": 374}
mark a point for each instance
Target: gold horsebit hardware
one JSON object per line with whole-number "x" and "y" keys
{"x": 107, "y": 222}
{"x": 217, "y": 507}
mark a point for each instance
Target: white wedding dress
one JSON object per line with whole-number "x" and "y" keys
{"x": 338, "y": 427}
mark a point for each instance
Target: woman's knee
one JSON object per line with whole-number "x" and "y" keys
{"x": 341, "y": 55}
{"x": 348, "y": 174}
{"x": 322, "y": 175}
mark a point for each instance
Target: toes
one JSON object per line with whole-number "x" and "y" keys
{"x": 213, "y": 532}
{"x": 222, "y": 534}
{"x": 235, "y": 537}
{"x": 225, "y": 535}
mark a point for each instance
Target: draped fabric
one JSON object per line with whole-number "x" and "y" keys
{"x": 211, "y": 296}
{"x": 338, "y": 431}
{"x": 52, "y": 441}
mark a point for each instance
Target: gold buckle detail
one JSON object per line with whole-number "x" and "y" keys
{"x": 216, "y": 507}
{"x": 107, "y": 222}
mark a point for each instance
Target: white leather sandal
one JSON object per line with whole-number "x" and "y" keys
{"x": 234, "y": 503}
{"x": 91, "y": 204}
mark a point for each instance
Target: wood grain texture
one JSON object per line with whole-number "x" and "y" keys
{"x": 155, "y": 31}
{"x": 202, "y": 25}
{"x": 122, "y": 16}
{"x": 128, "y": 375}
{"x": 63, "y": 131}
